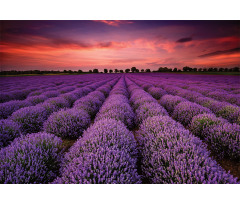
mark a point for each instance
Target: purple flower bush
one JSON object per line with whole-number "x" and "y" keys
{"x": 54, "y": 104}
{"x": 185, "y": 111}
{"x": 69, "y": 123}
{"x": 225, "y": 140}
{"x": 170, "y": 102}
{"x": 30, "y": 119}
{"x": 157, "y": 93}
{"x": 34, "y": 100}
{"x": 107, "y": 153}
{"x": 171, "y": 154}
{"x": 90, "y": 104}
{"x": 51, "y": 94}
{"x": 118, "y": 111}
{"x": 7, "y": 108}
{"x": 34, "y": 158}
{"x": 149, "y": 110}
{"x": 201, "y": 124}
{"x": 70, "y": 97}
{"x": 230, "y": 112}
{"x": 9, "y": 130}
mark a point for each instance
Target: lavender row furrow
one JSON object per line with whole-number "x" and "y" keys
{"x": 107, "y": 152}
{"x": 223, "y": 137}
{"x": 171, "y": 154}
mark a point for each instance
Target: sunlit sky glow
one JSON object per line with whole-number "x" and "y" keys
{"x": 59, "y": 45}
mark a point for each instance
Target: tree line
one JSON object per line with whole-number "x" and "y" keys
{"x": 132, "y": 70}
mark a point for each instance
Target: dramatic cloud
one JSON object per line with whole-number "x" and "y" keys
{"x": 223, "y": 52}
{"x": 118, "y": 44}
{"x": 183, "y": 40}
{"x": 114, "y": 23}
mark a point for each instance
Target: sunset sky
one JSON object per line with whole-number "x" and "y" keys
{"x": 59, "y": 45}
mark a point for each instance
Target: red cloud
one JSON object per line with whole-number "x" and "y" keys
{"x": 114, "y": 22}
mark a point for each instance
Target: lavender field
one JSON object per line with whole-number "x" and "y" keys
{"x": 120, "y": 129}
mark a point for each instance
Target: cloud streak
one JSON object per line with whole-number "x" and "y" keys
{"x": 183, "y": 40}
{"x": 114, "y": 22}
{"x": 221, "y": 52}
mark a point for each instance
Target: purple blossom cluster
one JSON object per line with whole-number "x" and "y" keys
{"x": 144, "y": 104}
{"x": 161, "y": 151}
{"x": 30, "y": 119}
{"x": 7, "y": 108}
{"x": 156, "y": 92}
{"x": 169, "y": 102}
{"x": 106, "y": 154}
{"x": 117, "y": 106}
{"x": 68, "y": 123}
{"x": 223, "y": 137}
{"x": 185, "y": 111}
{"x": 9, "y": 130}
{"x": 171, "y": 154}
{"x": 93, "y": 101}
{"x": 34, "y": 158}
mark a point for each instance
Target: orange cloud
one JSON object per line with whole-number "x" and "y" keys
{"x": 114, "y": 22}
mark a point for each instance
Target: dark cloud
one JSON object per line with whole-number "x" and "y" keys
{"x": 183, "y": 40}
{"x": 221, "y": 52}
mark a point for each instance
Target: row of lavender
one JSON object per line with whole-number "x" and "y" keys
{"x": 19, "y": 88}
{"x": 223, "y": 137}
{"x": 170, "y": 153}
{"x": 107, "y": 152}
{"x": 36, "y": 158}
{"x": 30, "y": 119}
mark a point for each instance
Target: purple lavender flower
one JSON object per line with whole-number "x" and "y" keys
{"x": 34, "y": 158}
{"x": 201, "y": 123}
{"x": 185, "y": 111}
{"x": 230, "y": 112}
{"x": 225, "y": 140}
{"x": 9, "y": 130}
{"x": 157, "y": 93}
{"x": 170, "y": 102}
{"x": 171, "y": 154}
{"x": 30, "y": 118}
{"x": 7, "y": 108}
{"x": 149, "y": 110}
{"x": 106, "y": 154}
{"x": 69, "y": 123}
{"x": 36, "y": 99}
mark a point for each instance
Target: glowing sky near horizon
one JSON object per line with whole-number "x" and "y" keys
{"x": 59, "y": 45}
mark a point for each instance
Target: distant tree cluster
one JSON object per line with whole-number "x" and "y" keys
{"x": 132, "y": 70}
{"x": 189, "y": 69}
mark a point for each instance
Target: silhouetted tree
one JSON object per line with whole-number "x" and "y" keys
{"x": 116, "y": 70}
{"x": 133, "y": 69}
{"x": 147, "y": 70}
{"x": 127, "y": 70}
{"x": 80, "y": 71}
{"x": 142, "y": 70}
{"x": 105, "y": 70}
{"x": 236, "y": 69}
{"x": 137, "y": 70}
{"x": 187, "y": 69}
{"x": 200, "y": 69}
{"x": 195, "y": 69}
{"x": 110, "y": 71}
{"x": 95, "y": 70}
{"x": 90, "y": 71}
{"x": 121, "y": 71}
{"x": 175, "y": 69}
